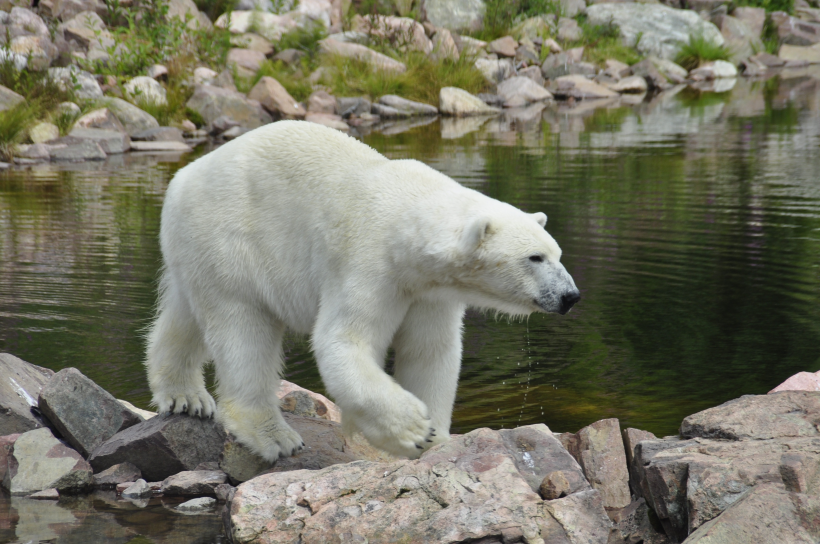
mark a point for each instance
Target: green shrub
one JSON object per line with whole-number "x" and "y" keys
{"x": 699, "y": 50}
{"x": 14, "y": 125}
{"x": 35, "y": 86}
{"x": 501, "y": 15}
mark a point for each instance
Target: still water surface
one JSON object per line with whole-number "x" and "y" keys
{"x": 691, "y": 224}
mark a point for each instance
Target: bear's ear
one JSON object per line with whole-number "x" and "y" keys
{"x": 541, "y": 218}
{"x": 475, "y": 232}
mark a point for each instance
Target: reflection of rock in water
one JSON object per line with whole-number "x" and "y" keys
{"x": 38, "y": 520}
{"x": 453, "y": 128}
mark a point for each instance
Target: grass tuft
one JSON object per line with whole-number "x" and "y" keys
{"x": 699, "y": 50}
{"x": 14, "y": 125}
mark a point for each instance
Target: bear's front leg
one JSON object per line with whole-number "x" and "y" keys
{"x": 348, "y": 350}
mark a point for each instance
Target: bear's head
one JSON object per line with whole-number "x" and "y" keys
{"x": 512, "y": 264}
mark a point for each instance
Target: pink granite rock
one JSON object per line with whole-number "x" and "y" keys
{"x": 802, "y": 381}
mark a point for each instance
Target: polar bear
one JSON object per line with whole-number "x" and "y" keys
{"x": 297, "y": 226}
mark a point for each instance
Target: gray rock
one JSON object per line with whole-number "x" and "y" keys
{"x": 249, "y": 40}
{"x": 719, "y": 69}
{"x": 133, "y": 119}
{"x": 321, "y": 102}
{"x": 535, "y": 27}
{"x": 631, "y": 84}
{"x": 102, "y": 118}
{"x": 347, "y": 106}
{"x": 212, "y": 102}
{"x": 580, "y": 88}
{"x": 221, "y": 124}
{"x": 632, "y": 525}
{"x": 533, "y": 73}
{"x": 459, "y": 103}
{"x": 144, "y": 89}
{"x": 46, "y": 495}
{"x": 112, "y": 143}
{"x": 562, "y": 64}
{"x": 240, "y": 463}
{"x": 160, "y": 134}
{"x": 503, "y": 47}
{"x": 20, "y": 385}
{"x": 757, "y": 417}
{"x": 197, "y": 505}
{"x": 88, "y": 29}
{"x": 362, "y": 53}
{"x": 43, "y": 132}
{"x": 654, "y": 78}
{"x": 162, "y": 446}
{"x": 794, "y": 31}
{"x": 157, "y": 71}
{"x": 38, "y": 152}
{"x": 82, "y": 150}
{"x": 661, "y": 29}
{"x": 38, "y": 50}
{"x": 568, "y": 30}
{"x": 407, "y": 108}
{"x": 766, "y": 513}
{"x": 455, "y": 14}
{"x": 68, "y": 77}
{"x": 291, "y": 57}
{"x": 520, "y": 91}
{"x": 386, "y": 112}
{"x": 754, "y": 18}
{"x": 495, "y": 71}
{"x": 571, "y": 8}
{"x": 249, "y": 60}
{"x": 9, "y": 98}
{"x": 276, "y": 99}
{"x": 224, "y": 492}
{"x": 83, "y": 412}
{"x": 6, "y": 445}
{"x": 444, "y": 46}
{"x": 599, "y": 449}
{"x": 121, "y": 473}
{"x": 161, "y": 146}
{"x": 582, "y": 516}
{"x": 741, "y": 40}
{"x": 631, "y": 439}
{"x": 138, "y": 490}
{"x": 24, "y": 22}
{"x": 38, "y": 461}
{"x": 193, "y": 483}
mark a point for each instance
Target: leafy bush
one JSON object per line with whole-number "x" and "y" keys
{"x": 699, "y": 50}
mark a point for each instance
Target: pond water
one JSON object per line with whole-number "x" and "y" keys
{"x": 690, "y": 222}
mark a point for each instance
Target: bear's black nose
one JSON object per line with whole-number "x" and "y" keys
{"x": 568, "y": 300}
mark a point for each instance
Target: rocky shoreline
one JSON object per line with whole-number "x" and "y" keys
{"x": 528, "y": 68}
{"x": 744, "y": 471}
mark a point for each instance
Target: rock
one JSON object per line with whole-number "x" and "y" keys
{"x": 571, "y": 8}
{"x": 661, "y": 29}
{"x": 160, "y": 134}
{"x": 346, "y": 107}
{"x": 161, "y": 146}
{"x": 247, "y": 59}
{"x": 197, "y": 505}
{"x": 521, "y": 91}
{"x": 718, "y": 69}
{"x": 111, "y": 142}
{"x": 204, "y": 76}
{"x": 533, "y": 73}
{"x": 407, "y": 108}
{"x": 187, "y": 127}
{"x": 568, "y": 30}
{"x": 76, "y": 150}
{"x": 766, "y": 513}
{"x": 599, "y": 449}
{"x": 224, "y": 492}
{"x": 250, "y": 40}
{"x": 193, "y": 482}
{"x": 753, "y": 17}
{"x": 654, "y": 78}
{"x": 133, "y": 119}
{"x": 46, "y": 495}
{"x": 268, "y": 25}
{"x": 212, "y": 102}
{"x": 321, "y": 102}
{"x": 632, "y": 525}
{"x": 84, "y": 413}
{"x": 566, "y": 63}
{"x": 554, "y": 486}
{"x": 631, "y": 439}
{"x": 102, "y": 119}
{"x": 88, "y": 29}
{"x": 146, "y": 90}
{"x": 37, "y": 152}
{"x": 71, "y": 76}
{"x": 468, "y": 45}
{"x": 38, "y": 50}
{"x": 444, "y": 46}
{"x": 6, "y": 445}
{"x": 579, "y": 87}
{"x": 24, "y": 22}
{"x": 527, "y": 54}
{"x": 460, "y": 103}
{"x": 503, "y": 47}
{"x": 616, "y": 69}
{"x": 275, "y": 99}
{"x": 793, "y": 31}
{"x": 290, "y": 57}
{"x": 182, "y": 9}
{"x": 121, "y": 473}
{"x": 157, "y": 71}
{"x": 138, "y": 490}
{"x": 802, "y": 381}
{"x": 239, "y": 463}
{"x": 741, "y": 40}
{"x": 632, "y": 84}
{"x": 535, "y": 27}
{"x": 222, "y": 124}
{"x": 552, "y": 45}
{"x": 768, "y": 60}
{"x": 20, "y": 385}
{"x": 359, "y": 52}
{"x": 162, "y": 446}
{"x": 468, "y": 489}
{"x": 758, "y": 417}
{"x": 455, "y": 14}
{"x": 38, "y": 461}
{"x": 674, "y": 73}
{"x": 495, "y": 71}
{"x": 9, "y": 98}
{"x": 800, "y": 53}
{"x": 43, "y": 132}
{"x": 401, "y": 30}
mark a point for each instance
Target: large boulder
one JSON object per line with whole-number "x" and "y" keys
{"x": 88, "y": 29}
{"x": 456, "y": 14}
{"x": 19, "y": 388}
{"x": 521, "y": 91}
{"x": 477, "y": 487}
{"x": 144, "y": 89}
{"x": 133, "y": 119}
{"x": 84, "y": 84}
{"x": 38, "y": 461}
{"x": 267, "y": 25}
{"x": 459, "y": 103}
{"x": 213, "y": 102}
{"x": 276, "y": 99}
{"x": 741, "y": 40}
{"x": 794, "y": 31}
{"x": 356, "y": 51}
{"x": 400, "y": 30}
{"x": 654, "y": 29}
{"x": 495, "y": 71}
{"x": 162, "y": 446}
{"x": 83, "y": 412}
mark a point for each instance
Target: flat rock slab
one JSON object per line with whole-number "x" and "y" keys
{"x": 161, "y": 147}
{"x": 160, "y": 134}
{"x": 83, "y": 412}
{"x": 111, "y": 477}
{"x": 459, "y": 103}
{"x": 20, "y": 385}
{"x": 162, "y": 446}
{"x": 193, "y": 483}
{"x": 407, "y": 107}
{"x": 360, "y": 52}
{"x": 85, "y": 150}
{"x": 133, "y": 119}
{"x": 521, "y": 91}
{"x": 783, "y": 414}
{"x": 443, "y": 497}
{"x": 38, "y": 461}
{"x": 579, "y": 87}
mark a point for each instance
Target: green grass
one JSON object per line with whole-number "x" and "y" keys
{"x": 768, "y": 5}
{"x": 500, "y": 16}
{"x": 34, "y": 86}
{"x": 14, "y": 125}
{"x": 602, "y": 42}
{"x": 699, "y": 50}
{"x": 294, "y": 79}
{"x": 177, "y": 93}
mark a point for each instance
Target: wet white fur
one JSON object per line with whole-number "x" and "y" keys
{"x": 298, "y": 226}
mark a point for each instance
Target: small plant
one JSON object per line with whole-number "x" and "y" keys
{"x": 35, "y": 86}
{"x": 292, "y": 79}
{"x": 501, "y": 15}
{"x": 14, "y": 125}
{"x": 304, "y": 39}
{"x": 700, "y": 50}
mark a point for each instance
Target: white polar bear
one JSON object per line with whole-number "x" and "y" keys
{"x": 298, "y": 226}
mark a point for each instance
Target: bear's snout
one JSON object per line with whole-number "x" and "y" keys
{"x": 568, "y": 300}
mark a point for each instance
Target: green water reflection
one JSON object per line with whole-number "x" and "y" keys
{"x": 691, "y": 224}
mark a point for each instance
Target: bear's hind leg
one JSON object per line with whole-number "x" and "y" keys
{"x": 175, "y": 355}
{"x": 247, "y": 348}
{"x": 428, "y": 359}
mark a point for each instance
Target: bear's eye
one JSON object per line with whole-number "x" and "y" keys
{"x": 537, "y": 259}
